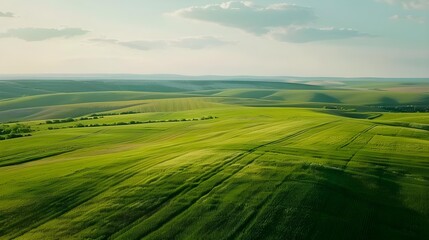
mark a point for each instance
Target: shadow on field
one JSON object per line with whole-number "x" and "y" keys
{"x": 328, "y": 203}
{"x": 351, "y": 207}
{"x": 322, "y": 97}
{"x": 55, "y": 198}
{"x": 388, "y": 101}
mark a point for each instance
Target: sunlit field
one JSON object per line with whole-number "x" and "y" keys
{"x": 214, "y": 164}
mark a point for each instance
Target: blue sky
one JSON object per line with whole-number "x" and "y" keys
{"x": 382, "y": 38}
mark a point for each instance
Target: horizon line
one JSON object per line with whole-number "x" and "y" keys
{"x": 170, "y": 75}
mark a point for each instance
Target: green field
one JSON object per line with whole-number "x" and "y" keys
{"x": 212, "y": 160}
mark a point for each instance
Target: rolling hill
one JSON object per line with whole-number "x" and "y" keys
{"x": 212, "y": 161}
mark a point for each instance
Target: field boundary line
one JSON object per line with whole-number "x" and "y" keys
{"x": 235, "y": 159}
{"x": 356, "y": 136}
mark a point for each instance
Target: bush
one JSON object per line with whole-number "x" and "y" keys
{"x": 128, "y": 112}
{"x": 56, "y": 121}
{"x": 207, "y": 118}
{"x": 20, "y": 128}
{"x": 68, "y": 120}
{"x": 13, "y": 135}
{"x": 4, "y": 130}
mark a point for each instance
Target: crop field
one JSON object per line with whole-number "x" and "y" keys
{"x": 204, "y": 162}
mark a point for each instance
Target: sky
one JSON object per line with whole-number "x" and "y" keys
{"x": 337, "y": 38}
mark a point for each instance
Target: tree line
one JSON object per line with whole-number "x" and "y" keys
{"x": 81, "y": 125}
{"x": 68, "y": 120}
{"x": 91, "y": 117}
{"x": 15, "y": 131}
{"x": 405, "y": 108}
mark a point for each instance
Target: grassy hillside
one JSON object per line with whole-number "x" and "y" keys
{"x": 74, "y": 98}
{"x": 64, "y": 105}
{"x": 38, "y": 99}
{"x": 20, "y": 88}
{"x": 213, "y": 163}
{"x": 350, "y": 97}
{"x": 53, "y": 109}
{"x": 250, "y": 173}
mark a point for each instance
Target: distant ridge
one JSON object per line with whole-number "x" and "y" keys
{"x": 189, "y": 77}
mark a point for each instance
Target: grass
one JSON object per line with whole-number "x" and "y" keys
{"x": 22, "y": 88}
{"x": 75, "y": 98}
{"x": 141, "y": 96}
{"x": 350, "y": 97}
{"x": 251, "y": 173}
{"x": 80, "y": 109}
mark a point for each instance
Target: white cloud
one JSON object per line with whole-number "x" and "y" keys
{"x": 249, "y": 17}
{"x": 199, "y": 42}
{"x": 143, "y": 45}
{"x": 307, "y": 34}
{"x": 409, "y": 18}
{"x": 409, "y": 4}
{"x": 40, "y": 34}
{"x": 7, "y": 14}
